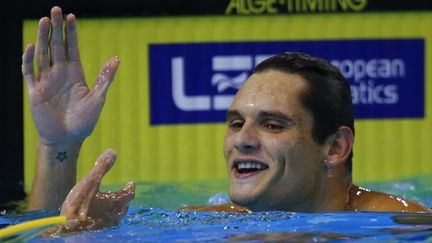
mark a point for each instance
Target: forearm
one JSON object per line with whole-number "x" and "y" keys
{"x": 55, "y": 175}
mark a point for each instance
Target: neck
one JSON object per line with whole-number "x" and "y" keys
{"x": 332, "y": 192}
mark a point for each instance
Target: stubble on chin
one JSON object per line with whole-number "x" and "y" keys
{"x": 245, "y": 199}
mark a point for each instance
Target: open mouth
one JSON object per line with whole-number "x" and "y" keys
{"x": 247, "y": 167}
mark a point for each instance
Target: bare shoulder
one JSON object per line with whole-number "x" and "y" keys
{"x": 362, "y": 199}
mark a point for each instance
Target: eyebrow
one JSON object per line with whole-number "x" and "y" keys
{"x": 232, "y": 114}
{"x": 275, "y": 115}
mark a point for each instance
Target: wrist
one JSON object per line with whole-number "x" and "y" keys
{"x": 61, "y": 153}
{"x": 59, "y": 145}
{"x": 49, "y": 143}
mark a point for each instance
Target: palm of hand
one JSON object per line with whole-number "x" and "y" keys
{"x": 63, "y": 107}
{"x": 65, "y": 111}
{"x": 59, "y": 103}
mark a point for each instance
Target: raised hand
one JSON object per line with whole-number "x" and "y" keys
{"x": 88, "y": 209}
{"x": 63, "y": 107}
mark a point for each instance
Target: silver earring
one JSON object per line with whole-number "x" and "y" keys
{"x": 329, "y": 172}
{"x": 329, "y": 169}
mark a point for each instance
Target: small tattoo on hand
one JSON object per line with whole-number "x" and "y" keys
{"x": 61, "y": 156}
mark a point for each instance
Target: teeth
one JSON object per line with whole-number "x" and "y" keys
{"x": 250, "y": 165}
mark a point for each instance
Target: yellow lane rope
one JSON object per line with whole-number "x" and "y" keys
{"x": 30, "y": 225}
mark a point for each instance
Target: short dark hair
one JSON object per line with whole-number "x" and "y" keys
{"x": 327, "y": 95}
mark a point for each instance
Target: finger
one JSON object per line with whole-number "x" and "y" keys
{"x": 78, "y": 201}
{"x": 56, "y": 41}
{"x": 72, "y": 51}
{"x": 126, "y": 194}
{"x": 119, "y": 198}
{"x": 103, "y": 164}
{"x": 27, "y": 68}
{"x": 106, "y": 76}
{"x": 93, "y": 179}
{"x": 42, "y": 45}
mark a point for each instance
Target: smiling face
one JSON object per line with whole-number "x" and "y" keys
{"x": 273, "y": 161}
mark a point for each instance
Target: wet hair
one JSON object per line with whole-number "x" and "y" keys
{"x": 327, "y": 95}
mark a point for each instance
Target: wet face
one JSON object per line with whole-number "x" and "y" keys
{"x": 273, "y": 162}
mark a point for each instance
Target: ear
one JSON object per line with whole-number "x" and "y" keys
{"x": 340, "y": 143}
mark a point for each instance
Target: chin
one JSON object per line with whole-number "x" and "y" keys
{"x": 246, "y": 200}
{"x": 253, "y": 202}
{"x": 251, "y": 205}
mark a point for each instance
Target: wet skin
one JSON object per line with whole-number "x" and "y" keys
{"x": 274, "y": 164}
{"x": 269, "y": 129}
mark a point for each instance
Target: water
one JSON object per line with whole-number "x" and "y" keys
{"x": 152, "y": 218}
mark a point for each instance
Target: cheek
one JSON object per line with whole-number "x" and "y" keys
{"x": 292, "y": 154}
{"x": 306, "y": 157}
{"x": 227, "y": 147}
{"x": 283, "y": 149}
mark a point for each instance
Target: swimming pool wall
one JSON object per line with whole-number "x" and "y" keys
{"x": 384, "y": 148}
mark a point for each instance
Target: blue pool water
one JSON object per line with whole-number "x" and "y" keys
{"x": 152, "y": 218}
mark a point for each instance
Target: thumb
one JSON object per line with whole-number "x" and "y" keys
{"x": 103, "y": 164}
{"x": 106, "y": 76}
{"x": 78, "y": 201}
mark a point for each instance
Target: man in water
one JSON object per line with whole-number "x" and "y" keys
{"x": 288, "y": 144}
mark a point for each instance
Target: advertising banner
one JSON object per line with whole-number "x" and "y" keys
{"x": 196, "y": 82}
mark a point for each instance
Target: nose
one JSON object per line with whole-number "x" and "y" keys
{"x": 247, "y": 139}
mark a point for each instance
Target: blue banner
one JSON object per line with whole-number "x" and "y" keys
{"x": 196, "y": 82}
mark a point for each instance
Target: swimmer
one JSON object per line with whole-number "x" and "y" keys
{"x": 288, "y": 145}
{"x": 289, "y": 142}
